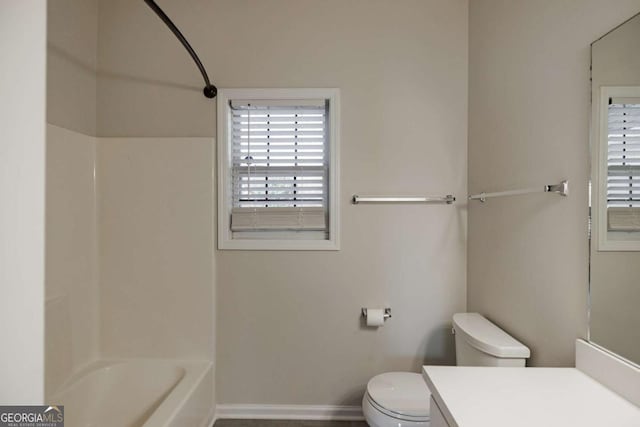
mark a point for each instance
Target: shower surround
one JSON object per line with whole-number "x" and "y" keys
{"x": 129, "y": 273}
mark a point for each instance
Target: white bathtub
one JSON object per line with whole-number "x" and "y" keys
{"x": 136, "y": 393}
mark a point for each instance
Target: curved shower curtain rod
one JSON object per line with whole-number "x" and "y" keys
{"x": 210, "y": 91}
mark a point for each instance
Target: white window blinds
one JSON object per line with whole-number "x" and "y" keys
{"x": 279, "y": 165}
{"x": 623, "y": 165}
{"x": 623, "y": 158}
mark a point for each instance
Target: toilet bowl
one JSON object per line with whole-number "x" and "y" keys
{"x": 399, "y": 399}
{"x": 402, "y": 399}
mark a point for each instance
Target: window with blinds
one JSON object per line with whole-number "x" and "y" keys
{"x": 279, "y": 154}
{"x": 278, "y": 163}
{"x": 623, "y": 164}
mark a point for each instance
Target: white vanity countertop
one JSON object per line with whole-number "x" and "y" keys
{"x": 507, "y": 397}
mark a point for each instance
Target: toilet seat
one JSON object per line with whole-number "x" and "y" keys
{"x": 400, "y": 396}
{"x": 395, "y": 415}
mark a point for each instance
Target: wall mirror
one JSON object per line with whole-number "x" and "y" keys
{"x": 615, "y": 191}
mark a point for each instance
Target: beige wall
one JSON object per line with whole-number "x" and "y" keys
{"x": 72, "y": 42}
{"x": 22, "y": 198}
{"x": 148, "y": 85}
{"x": 529, "y": 125}
{"x": 615, "y": 294}
{"x": 289, "y": 328}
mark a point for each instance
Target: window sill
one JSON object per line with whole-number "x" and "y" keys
{"x": 279, "y": 245}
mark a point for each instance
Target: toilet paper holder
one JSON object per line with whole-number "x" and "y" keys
{"x": 387, "y": 313}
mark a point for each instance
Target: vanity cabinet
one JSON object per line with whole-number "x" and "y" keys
{"x": 437, "y": 417}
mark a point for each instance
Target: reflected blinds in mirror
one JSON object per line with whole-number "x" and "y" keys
{"x": 623, "y": 165}
{"x": 623, "y": 154}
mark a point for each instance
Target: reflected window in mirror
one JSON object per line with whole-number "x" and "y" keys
{"x": 614, "y": 273}
{"x": 621, "y": 195}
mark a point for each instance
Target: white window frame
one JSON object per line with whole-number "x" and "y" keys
{"x": 284, "y": 240}
{"x": 608, "y": 240}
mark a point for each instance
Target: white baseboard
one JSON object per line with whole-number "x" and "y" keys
{"x": 211, "y": 419}
{"x": 289, "y": 412}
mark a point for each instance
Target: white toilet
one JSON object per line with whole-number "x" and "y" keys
{"x": 401, "y": 399}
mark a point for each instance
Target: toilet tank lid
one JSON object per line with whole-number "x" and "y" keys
{"x": 480, "y": 333}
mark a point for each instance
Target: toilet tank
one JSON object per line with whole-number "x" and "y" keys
{"x": 481, "y": 343}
